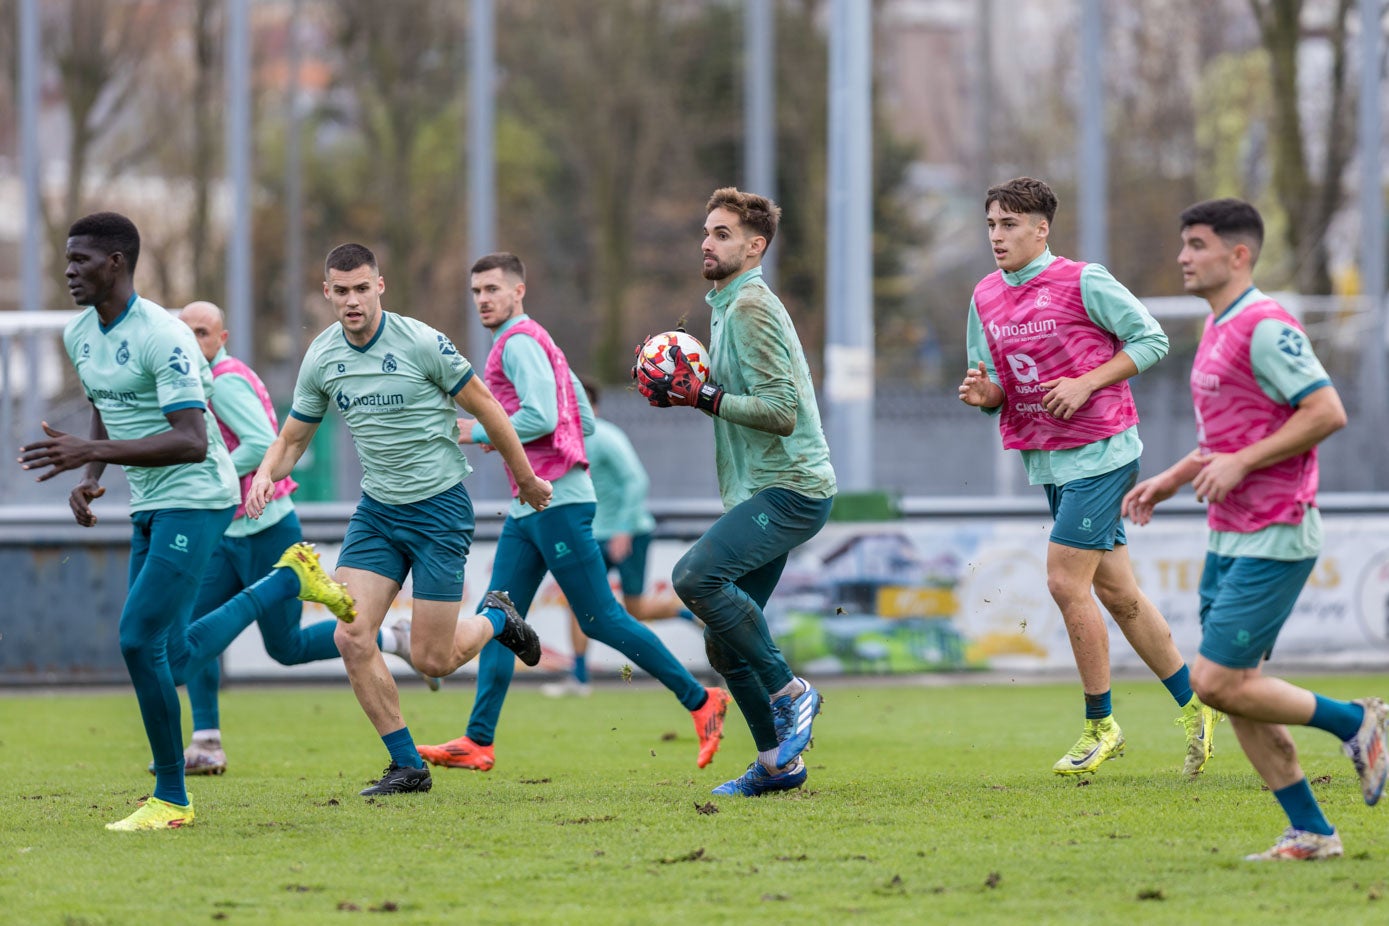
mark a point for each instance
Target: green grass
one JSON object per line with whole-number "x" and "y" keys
{"x": 925, "y": 805}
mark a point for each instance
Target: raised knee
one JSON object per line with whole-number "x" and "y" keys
{"x": 686, "y": 582}
{"x": 352, "y": 645}
{"x": 431, "y": 665}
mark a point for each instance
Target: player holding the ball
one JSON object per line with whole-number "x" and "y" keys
{"x": 774, "y": 474}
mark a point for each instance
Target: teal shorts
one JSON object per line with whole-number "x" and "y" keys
{"x": 631, "y": 572}
{"x": 1245, "y": 601}
{"x": 428, "y": 540}
{"x": 1086, "y": 511}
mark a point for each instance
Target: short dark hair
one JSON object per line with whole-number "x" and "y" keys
{"x": 504, "y": 261}
{"x": 756, "y": 212}
{"x": 112, "y": 232}
{"x": 350, "y": 256}
{"x": 1024, "y": 196}
{"x": 1231, "y": 219}
{"x": 591, "y": 388}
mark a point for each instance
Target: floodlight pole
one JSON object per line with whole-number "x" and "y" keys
{"x": 294, "y": 203}
{"x": 849, "y": 358}
{"x": 759, "y": 108}
{"x": 482, "y": 159}
{"x": 31, "y": 248}
{"x": 1093, "y": 178}
{"x": 237, "y": 45}
{"x": 1372, "y": 233}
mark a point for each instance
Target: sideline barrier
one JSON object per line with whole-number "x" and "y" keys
{"x": 955, "y": 584}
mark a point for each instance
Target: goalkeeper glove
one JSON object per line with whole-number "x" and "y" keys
{"x": 681, "y": 386}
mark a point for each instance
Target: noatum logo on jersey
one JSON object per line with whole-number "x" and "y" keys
{"x": 375, "y": 400}
{"x": 1031, "y": 329}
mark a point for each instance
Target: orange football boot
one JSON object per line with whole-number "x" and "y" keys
{"x": 462, "y": 753}
{"x": 708, "y": 721}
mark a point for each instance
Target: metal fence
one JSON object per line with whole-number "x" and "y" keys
{"x": 925, "y": 442}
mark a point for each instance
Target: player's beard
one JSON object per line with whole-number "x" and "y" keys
{"x": 722, "y": 269}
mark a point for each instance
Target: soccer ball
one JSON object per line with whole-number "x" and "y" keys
{"x": 657, "y": 351}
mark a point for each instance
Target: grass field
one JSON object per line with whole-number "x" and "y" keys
{"x": 925, "y": 804}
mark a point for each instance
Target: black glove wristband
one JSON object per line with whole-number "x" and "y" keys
{"x": 710, "y": 397}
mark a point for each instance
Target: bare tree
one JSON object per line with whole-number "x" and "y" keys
{"x": 604, "y": 95}
{"x": 402, "y": 70}
{"x": 96, "y": 48}
{"x": 206, "y": 121}
{"x": 1310, "y": 201}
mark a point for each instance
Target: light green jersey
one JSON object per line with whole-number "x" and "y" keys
{"x": 137, "y": 370}
{"x": 619, "y": 481}
{"x": 756, "y": 356}
{"x": 396, "y": 395}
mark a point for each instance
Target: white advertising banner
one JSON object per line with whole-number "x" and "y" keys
{"x": 949, "y": 594}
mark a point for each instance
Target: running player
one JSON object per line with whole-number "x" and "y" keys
{"x": 148, "y": 384}
{"x": 1052, "y": 343}
{"x": 1263, "y": 404}
{"x": 623, "y": 527}
{"x": 396, "y": 382}
{"x": 530, "y": 375}
{"x": 775, "y": 479}
{"x": 246, "y": 418}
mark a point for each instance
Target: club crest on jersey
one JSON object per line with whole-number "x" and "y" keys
{"x": 178, "y": 360}
{"x": 1290, "y": 343}
{"x": 1043, "y": 298}
{"x": 123, "y": 353}
{"x": 342, "y": 368}
{"x": 446, "y": 346}
{"x": 388, "y": 364}
{"x": 344, "y": 403}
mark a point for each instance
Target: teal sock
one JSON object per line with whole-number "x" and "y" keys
{"x": 402, "y": 749}
{"x": 280, "y": 585}
{"x": 168, "y": 784}
{"x": 1097, "y": 707}
{"x": 581, "y": 668}
{"x": 497, "y": 619}
{"x": 1341, "y": 719}
{"x": 1302, "y": 808}
{"x": 1178, "y": 684}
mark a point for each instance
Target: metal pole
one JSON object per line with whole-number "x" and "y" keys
{"x": 482, "y": 159}
{"x": 849, "y": 360}
{"x": 759, "y": 112}
{"x": 1372, "y": 233}
{"x": 1005, "y": 467}
{"x": 1093, "y": 179}
{"x": 294, "y": 203}
{"x": 31, "y": 247}
{"x": 31, "y": 258}
{"x": 983, "y": 100}
{"x": 237, "y": 43}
